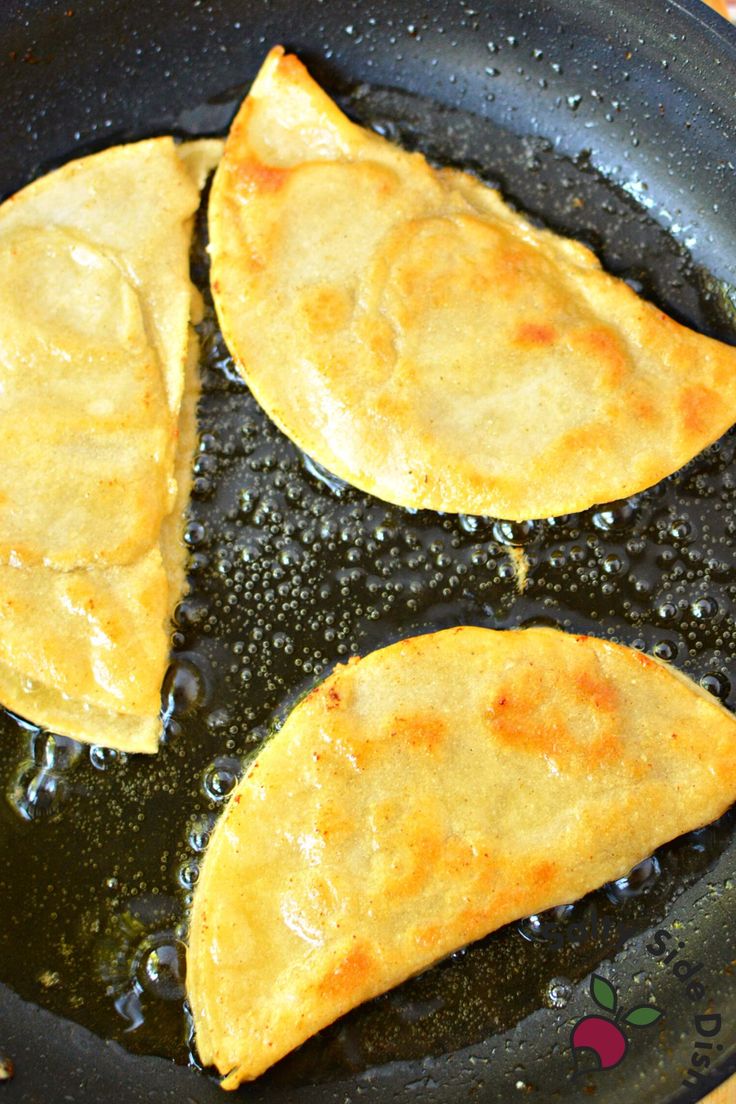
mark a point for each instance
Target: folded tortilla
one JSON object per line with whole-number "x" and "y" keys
{"x": 98, "y": 392}
{"x": 423, "y": 796}
{"x": 423, "y": 341}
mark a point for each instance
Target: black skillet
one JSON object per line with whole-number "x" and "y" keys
{"x": 615, "y": 123}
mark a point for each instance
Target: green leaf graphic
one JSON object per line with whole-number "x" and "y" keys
{"x": 643, "y": 1016}
{"x": 603, "y": 992}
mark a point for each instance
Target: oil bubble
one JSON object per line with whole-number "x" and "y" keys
{"x": 666, "y": 650}
{"x": 221, "y": 777}
{"x": 200, "y": 831}
{"x": 541, "y": 927}
{"x": 194, "y": 534}
{"x": 514, "y": 532}
{"x": 190, "y": 613}
{"x": 208, "y": 443}
{"x": 704, "y": 608}
{"x": 531, "y": 929}
{"x": 56, "y": 752}
{"x": 613, "y": 564}
{"x": 614, "y": 516}
{"x": 639, "y": 879}
{"x": 159, "y": 966}
{"x": 202, "y": 487}
{"x": 561, "y": 913}
{"x": 205, "y": 464}
{"x": 680, "y": 529}
{"x": 558, "y": 992}
{"x": 471, "y": 523}
{"x": 717, "y": 684}
{"x": 219, "y": 718}
{"x": 37, "y": 794}
{"x": 102, "y": 758}
{"x": 188, "y": 875}
{"x": 185, "y": 686}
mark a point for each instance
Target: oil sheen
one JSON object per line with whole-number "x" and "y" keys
{"x": 292, "y": 572}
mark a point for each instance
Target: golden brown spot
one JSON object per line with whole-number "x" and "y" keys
{"x": 603, "y": 345}
{"x": 518, "y": 720}
{"x": 411, "y": 285}
{"x": 475, "y": 920}
{"x": 291, "y": 68}
{"x": 598, "y": 690}
{"x": 422, "y": 733}
{"x": 522, "y": 717}
{"x": 326, "y": 309}
{"x": 532, "y": 333}
{"x": 380, "y": 340}
{"x": 241, "y": 123}
{"x": 725, "y": 768}
{"x": 579, "y": 445}
{"x": 645, "y": 660}
{"x": 347, "y": 979}
{"x": 385, "y": 812}
{"x": 644, "y": 410}
{"x": 458, "y": 857}
{"x": 254, "y": 176}
{"x": 333, "y": 697}
{"x": 700, "y": 409}
{"x": 421, "y": 852}
{"x": 425, "y": 734}
{"x": 428, "y": 938}
{"x": 510, "y": 268}
{"x": 253, "y": 260}
{"x": 334, "y": 820}
{"x": 541, "y": 875}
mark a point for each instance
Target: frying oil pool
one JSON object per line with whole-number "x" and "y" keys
{"x": 292, "y": 572}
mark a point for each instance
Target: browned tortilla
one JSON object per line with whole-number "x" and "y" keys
{"x": 98, "y": 388}
{"x": 423, "y": 341}
{"x": 423, "y": 796}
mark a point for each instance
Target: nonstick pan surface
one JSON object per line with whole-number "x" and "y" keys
{"x": 614, "y": 124}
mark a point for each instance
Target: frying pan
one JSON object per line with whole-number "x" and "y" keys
{"x": 613, "y": 123}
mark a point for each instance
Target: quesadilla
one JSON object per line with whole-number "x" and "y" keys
{"x": 423, "y": 341}
{"x": 423, "y": 796}
{"x": 98, "y": 391}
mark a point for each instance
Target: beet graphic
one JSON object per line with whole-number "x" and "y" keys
{"x": 602, "y": 1035}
